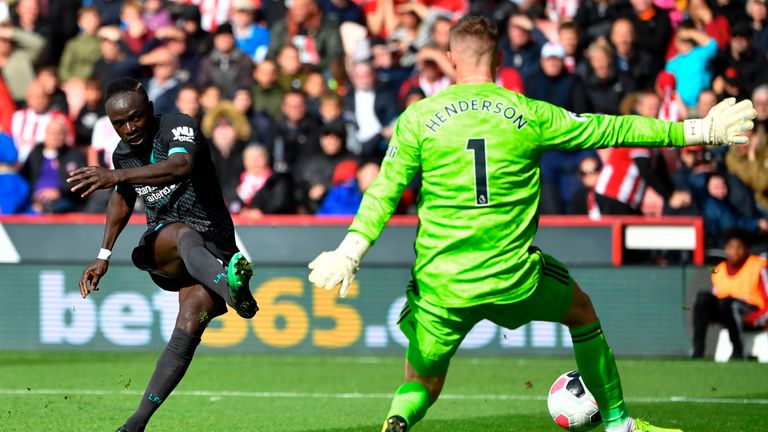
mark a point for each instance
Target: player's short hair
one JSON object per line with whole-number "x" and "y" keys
{"x": 738, "y": 233}
{"x": 478, "y": 29}
{"x": 126, "y": 85}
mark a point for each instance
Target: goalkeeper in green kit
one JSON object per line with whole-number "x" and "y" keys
{"x": 478, "y": 147}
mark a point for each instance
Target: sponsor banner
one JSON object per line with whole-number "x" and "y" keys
{"x": 641, "y": 310}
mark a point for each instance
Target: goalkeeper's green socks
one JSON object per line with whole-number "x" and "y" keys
{"x": 598, "y": 370}
{"x": 411, "y": 402}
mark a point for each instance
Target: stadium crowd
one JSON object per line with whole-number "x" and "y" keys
{"x": 298, "y": 98}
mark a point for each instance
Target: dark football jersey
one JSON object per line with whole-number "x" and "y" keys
{"x": 196, "y": 201}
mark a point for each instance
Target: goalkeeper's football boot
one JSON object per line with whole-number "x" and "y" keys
{"x": 644, "y": 426}
{"x": 395, "y": 424}
{"x": 123, "y": 429}
{"x": 239, "y": 272}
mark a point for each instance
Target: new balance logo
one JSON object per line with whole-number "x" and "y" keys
{"x": 184, "y": 134}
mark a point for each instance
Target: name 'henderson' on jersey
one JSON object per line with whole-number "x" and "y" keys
{"x": 196, "y": 201}
{"x": 478, "y": 148}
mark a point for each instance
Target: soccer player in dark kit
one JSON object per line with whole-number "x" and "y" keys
{"x": 189, "y": 246}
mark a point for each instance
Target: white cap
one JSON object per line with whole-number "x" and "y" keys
{"x": 552, "y": 49}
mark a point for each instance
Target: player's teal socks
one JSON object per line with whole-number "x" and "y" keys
{"x": 598, "y": 369}
{"x": 411, "y": 402}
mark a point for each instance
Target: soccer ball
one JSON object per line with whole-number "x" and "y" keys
{"x": 571, "y": 405}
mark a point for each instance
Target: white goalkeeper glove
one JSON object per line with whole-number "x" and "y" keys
{"x": 332, "y": 268}
{"x": 723, "y": 126}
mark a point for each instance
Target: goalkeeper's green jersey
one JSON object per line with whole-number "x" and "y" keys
{"x": 478, "y": 148}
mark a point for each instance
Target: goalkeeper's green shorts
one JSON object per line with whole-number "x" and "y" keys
{"x": 435, "y": 333}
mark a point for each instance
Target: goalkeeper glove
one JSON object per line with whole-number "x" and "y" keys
{"x": 332, "y": 268}
{"x": 723, "y": 126}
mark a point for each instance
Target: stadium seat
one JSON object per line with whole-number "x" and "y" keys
{"x": 755, "y": 344}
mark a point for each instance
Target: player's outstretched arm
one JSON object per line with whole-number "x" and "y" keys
{"x": 723, "y": 126}
{"x": 119, "y": 211}
{"x": 563, "y": 130}
{"x": 172, "y": 170}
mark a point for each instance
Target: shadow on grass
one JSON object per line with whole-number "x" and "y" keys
{"x": 505, "y": 423}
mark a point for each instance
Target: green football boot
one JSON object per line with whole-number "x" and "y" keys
{"x": 239, "y": 272}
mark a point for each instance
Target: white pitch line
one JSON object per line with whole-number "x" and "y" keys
{"x": 319, "y": 395}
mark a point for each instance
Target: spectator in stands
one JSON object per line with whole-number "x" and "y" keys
{"x": 226, "y": 67}
{"x": 19, "y": 51}
{"x": 672, "y": 107}
{"x": 267, "y": 94}
{"x": 91, "y": 112}
{"x": 28, "y": 18}
{"x": 652, "y": 28}
{"x": 732, "y": 10}
{"x": 251, "y": 37}
{"x": 594, "y": 17}
{"x": 175, "y": 40}
{"x": 569, "y": 36}
{"x": 47, "y": 167}
{"x": 604, "y": 85}
{"x": 434, "y": 74}
{"x": 750, "y": 164}
{"x": 114, "y": 62}
{"x": 314, "y": 88}
{"x": 163, "y": 86}
{"x": 403, "y": 29}
{"x": 315, "y": 176}
{"x": 739, "y": 294}
{"x": 332, "y": 111}
{"x": 584, "y": 200}
{"x": 228, "y": 132}
{"x": 49, "y": 81}
{"x": 552, "y": 83}
{"x": 290, "y": 72}
{"x": 30, "y": 123}
{"x": 81, "y": 52}
{"x": 760, "y": 101}
{"x": 720, "y": 215}
{"x": 296, "y": 135}
{"x": 388, "y": 68}
{"x": 314, "y": 34}
{"x": 628, "y": 60}
{"x": 109, "y": 10}
{"x": 261, "y": 190}
{"x": 155, "y": 15}
{"x": 344, "y": 199}
{"x": 199, "y": 40}
{"x": 65, "y": 28}
{"x": 375, "y": 110}
{"x": 751, "y": 66}
{"x": 187, "y": 102}
{"x": 138, "y": 38}
{"x": 691, "y": 65}
{"x": 343, "y": 11}
{"x": 758, "y": 17}
{"x": 520, "y": 50}
{"x": 729, "y": 84}
{"x": 711, "y": 23}
{"x": 210, "y": 97}
{"x": 14, "y": 189}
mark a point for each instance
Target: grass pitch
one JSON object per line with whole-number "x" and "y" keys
{"x": 96, "y": 392}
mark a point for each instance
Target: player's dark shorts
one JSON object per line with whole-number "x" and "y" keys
{"x": 143, "y": 259}
{"x": 435, "y": 332}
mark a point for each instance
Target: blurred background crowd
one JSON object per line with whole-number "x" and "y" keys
{"x": 298, "y": 98}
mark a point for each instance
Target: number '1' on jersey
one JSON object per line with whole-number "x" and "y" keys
{"x": 478, "y": 147}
